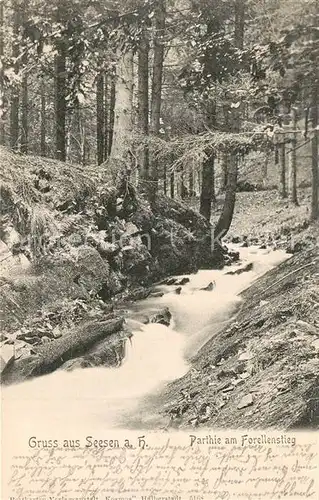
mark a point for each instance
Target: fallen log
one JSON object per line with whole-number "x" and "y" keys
{"x": 108, "y": 352}
{"x": 49, "y": 357}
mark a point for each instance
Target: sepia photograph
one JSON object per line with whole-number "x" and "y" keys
{"x": 159, "y": 264}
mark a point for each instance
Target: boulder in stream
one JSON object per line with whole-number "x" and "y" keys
{"x": 182, "y": 281}
{"x": 176, "y": 281}
{"x": 209, "y": 287}
{"x": 163, "y": 317}
{"x": 246, "y": 269}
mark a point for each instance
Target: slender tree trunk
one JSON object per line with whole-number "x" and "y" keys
{"x": 199, "y": 182}
{"x": 231, "y": 163}
{"x": 106, "y": 116}
{"x": 224, "y": 171}
{"x": 239, "y": 23}
{"x": 172, "y": 184}
{"x": 122, "y": 134}
{"x": 143, "y": 106}
{"x": 100, "y": 116}
{"x": 292, "y": 165}
{"x": 24, "y": 106}
{"x": 68, "y": 131}
{"x": 183, "y": 187}
{"x": 25, "y": 98}
{"x": 165, "y": 180}
{"x": 191, "y": 181}
{"x": 42, "y": 120}
{"x": 24, "y": 116}
{"x": 265, "y": 172}
{"x": 226, "y": 216}
{"x": 60, "y": 100}
{"x": 111, "y": 119}
{"x": 206, "y": 195}
{"x": 2, "y": 102}
{"x": 82, "y": 137}
{"x": 282, "y": 166}
{"x": 14, "y": 107}
{"x": 156, "y": 99}
{"x": 314, "y": 151}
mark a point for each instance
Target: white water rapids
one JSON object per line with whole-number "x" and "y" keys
{"x": 104, "y": 398}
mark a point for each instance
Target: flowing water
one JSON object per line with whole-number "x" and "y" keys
{"x": 107, "y": 397}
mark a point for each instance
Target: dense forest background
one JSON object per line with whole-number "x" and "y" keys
{"x": 193, "y": 98}
{"x": 134, "y": 135}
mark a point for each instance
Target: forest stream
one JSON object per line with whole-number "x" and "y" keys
{"x": 105, "y": 398}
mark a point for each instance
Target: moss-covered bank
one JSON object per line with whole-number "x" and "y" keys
{"x": 73, "y": 243}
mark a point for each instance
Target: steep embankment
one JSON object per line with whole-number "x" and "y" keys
{"x": 266, "y": 218}
{"x": 262, "y": 369}
{"x": 72, "y": 243}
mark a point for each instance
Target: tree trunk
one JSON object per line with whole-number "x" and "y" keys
{"x": 183, "y": 187}
{"x": 2, "y": 102}
{"x": 68, "y": 131}
{"x": 42, "y": 120}
{"x": 239, "y": 23}
{"x": 156, "y": 99}
{"x": 122, "y": 134}
{"x": 282, "y": 166}
{"x": 72, "y": 344}
{"x": 106, "y": 116}
{"x": 25, "y": 99}
{"x": 191, "y": 182}
{"x": 100, "y": 118}
{"x": 24, "y": 107}
{"x": 226, "y": 216}
{"x": 206, "y": 195}
{"x": 165, "y": 180}
{"x": 111, "y": 114}
{"x": 172, "y": 184}
{"x": 143, "y": 107}
{"x": 224, "y": 171}
{"x": 14, "y": 107}
{"x": 292, "y": 165}
{"x": 24, "y": 116}
{"x": 82, "y": 139}
{"x": 60, "y": 101}
{"x": 314, "y": 151}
